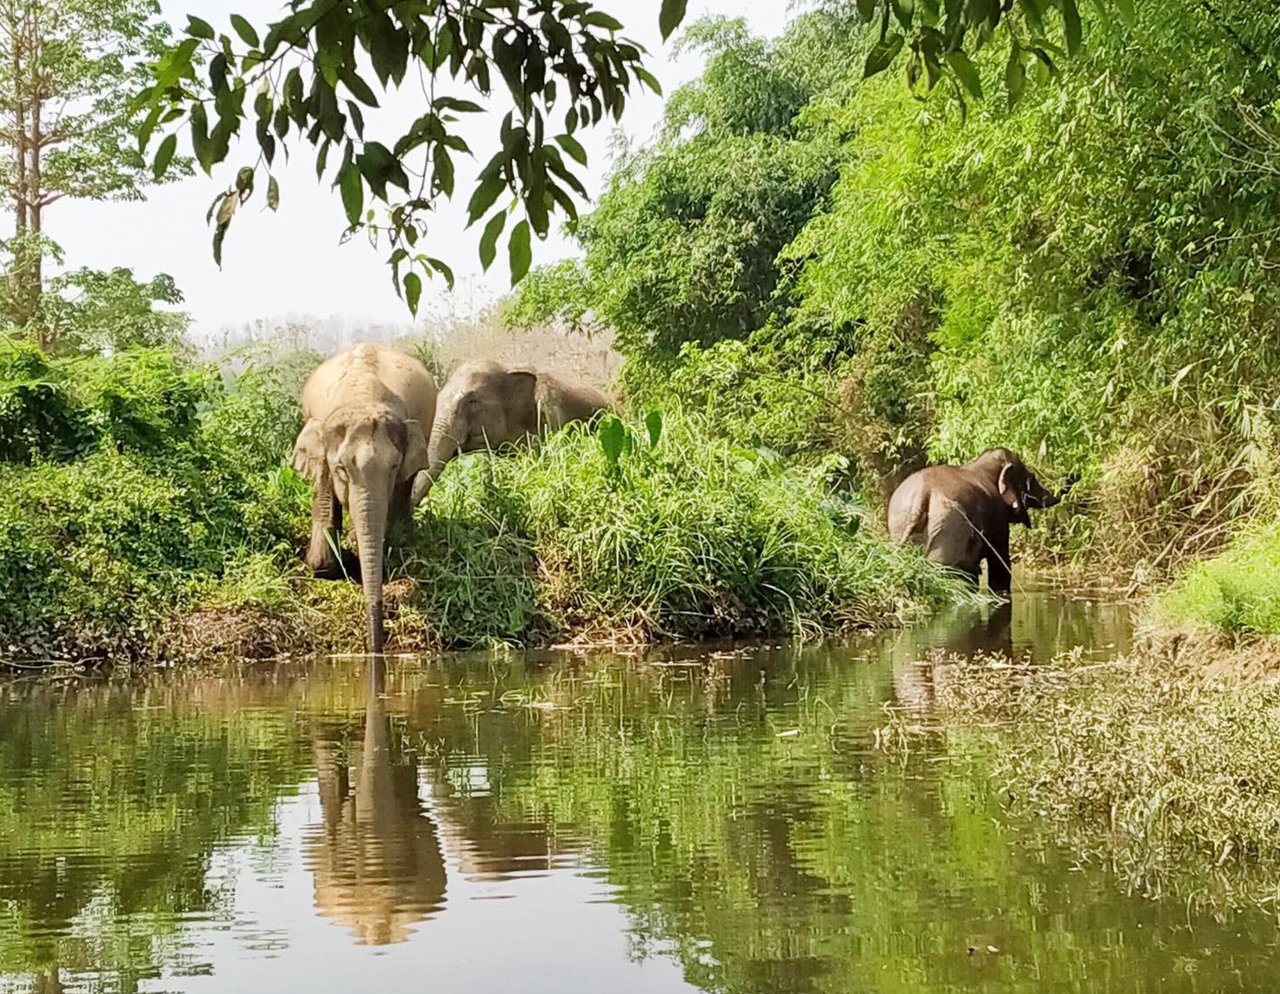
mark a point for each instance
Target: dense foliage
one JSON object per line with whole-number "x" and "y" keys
{"x": 1086, "y": 276}
{"x": 561, "y": 65}
{"x": 144, "y": 489}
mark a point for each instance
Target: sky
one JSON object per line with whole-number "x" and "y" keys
{"x": 291, "y": 263}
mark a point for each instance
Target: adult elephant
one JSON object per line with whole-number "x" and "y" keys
{"x": 961, "y": 515}
{"x": 485, "y": 405}
{"x": 368, "y": 414}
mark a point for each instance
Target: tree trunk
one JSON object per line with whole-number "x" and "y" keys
{"x": 26, "y": 276}
{"x": 34, "y": 278}
{"x": 19, "y": 127}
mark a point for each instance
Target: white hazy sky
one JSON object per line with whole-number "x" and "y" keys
{"x": 291, "y": 262}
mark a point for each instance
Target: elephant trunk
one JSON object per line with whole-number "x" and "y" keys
{"x": 369, "y": 515}
{"x": 442, "y": 447}
{"x": 1053, "y": 500}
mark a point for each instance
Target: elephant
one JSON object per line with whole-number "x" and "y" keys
{"x": 368, "y": 412}
{"x": 961, "y": 515}
{"x": 485, "y": 405}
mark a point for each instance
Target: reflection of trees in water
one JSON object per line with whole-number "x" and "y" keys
{"x": 112, "y": 799}
{"x": 376, "y": 857}
{"x": 1035, "y": 625}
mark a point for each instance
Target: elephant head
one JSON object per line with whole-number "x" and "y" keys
{"x": 369, "y": 457}
{"x": 1018, "y": 487}
{"x": 484, "y": 405}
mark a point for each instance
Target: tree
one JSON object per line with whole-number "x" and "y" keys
{"x": 940, "y": 37}
{"x": 95, "y": 312}
{"x": 311, "y": 76}
{"x": 563, "y": 65}
{"x": 67, "y": 71}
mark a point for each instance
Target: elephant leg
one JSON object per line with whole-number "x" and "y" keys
{"x": 999, "y": 566}
{"x": 402, "y": 502}
{"x": 951, "y": 542}
{"x": 326, "y": 524}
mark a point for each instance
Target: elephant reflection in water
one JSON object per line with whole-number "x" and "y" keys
{"x": 376, "y": 858}
{"x": 913, "y": 673}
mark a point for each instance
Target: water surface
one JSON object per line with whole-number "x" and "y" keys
{"x": 722, "y": 819}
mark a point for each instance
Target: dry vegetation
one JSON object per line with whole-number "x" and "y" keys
{"x": 1163, "y": 764}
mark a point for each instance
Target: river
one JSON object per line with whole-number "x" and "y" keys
{"x": 768, "y": 818}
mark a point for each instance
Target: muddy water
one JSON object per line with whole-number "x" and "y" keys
{"x": 719, "y": 820}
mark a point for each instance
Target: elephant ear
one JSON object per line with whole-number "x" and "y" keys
{"x": 522, "y": 384}
{"x": 415, "y": 458}
{"x": 1013, "y": 491}
{"x": 308, "y": 452}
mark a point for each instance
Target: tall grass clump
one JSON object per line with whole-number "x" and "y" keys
{"x": 663, "y": 530}
{"x": 1236, "y": 593}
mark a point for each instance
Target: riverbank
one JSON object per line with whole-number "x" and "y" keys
{"x": 1163, "y": 763}
{"x": 680, "y": 537}
{"x": 149, "y": 516}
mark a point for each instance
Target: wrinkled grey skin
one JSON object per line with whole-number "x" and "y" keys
{"x": 485, "y": 405}
{"x": 368, "y": 410}
{"x": 961, "y": 515}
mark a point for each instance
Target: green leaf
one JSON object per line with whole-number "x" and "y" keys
{"x": 867, "y": 9}
{"x": 671, "y": 15}
{"x": 612, "y": 434}
{"x": 359, "y": 88}
{"x": 245, "y": 30}
{"x": 520, "y": 252}
{"x": 489, "y": 240}
{"x": 1071, "y": 28}
{"x": 273, "y": 193}
{"x": 412, "y": 291}
{"x": 573, "y": 147}
{"x": 882, "y": 54}
{"x": 1127, "y": 12}
{"x": 461, "y": 106}
{"x": 1015, "y": 76}
{"x": 485, "y": 196}
{"x": 599, "y": 19}
{"x": 653, "y": 422}
{"x": 199, "y": 28}
{"x": 648, "y": 79}
{"x": 164, "y": 155}
{"x": 441, "y": 267}
{"x": 966, "y": 72}
{"x": 352, "y": 187}
{"x": 200, "y": 138}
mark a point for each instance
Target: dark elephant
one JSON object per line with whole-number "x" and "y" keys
{"x": 961, "y": 515}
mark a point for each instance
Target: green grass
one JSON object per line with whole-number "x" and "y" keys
{"x": 1236, "y": 593}
{"x": 685, "y": 536}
